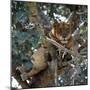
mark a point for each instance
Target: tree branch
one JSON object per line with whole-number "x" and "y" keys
{"x": 60, "y": 47}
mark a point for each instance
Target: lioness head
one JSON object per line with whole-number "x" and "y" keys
{"x": 62, "y": 31}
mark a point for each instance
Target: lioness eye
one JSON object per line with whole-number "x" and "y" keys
{"x": 68, "y": 30}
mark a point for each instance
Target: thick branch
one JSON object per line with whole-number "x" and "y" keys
{"x": 62, "y": 47}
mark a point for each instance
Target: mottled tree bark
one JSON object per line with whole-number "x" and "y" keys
{"x": 16, "y": 75}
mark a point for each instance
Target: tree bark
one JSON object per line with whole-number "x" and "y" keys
{"x": 16, "y": 75}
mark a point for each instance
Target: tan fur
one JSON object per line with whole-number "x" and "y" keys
{"x": 61, "y": 32}
{"x": 39, "y": 61}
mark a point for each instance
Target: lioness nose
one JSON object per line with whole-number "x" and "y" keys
{"x": 64, "y": 35}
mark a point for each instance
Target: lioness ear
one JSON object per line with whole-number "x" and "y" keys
{"x": 55, "y": 23}
{"x": 54, "y": 27}
{"x": 70, "y": 26}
